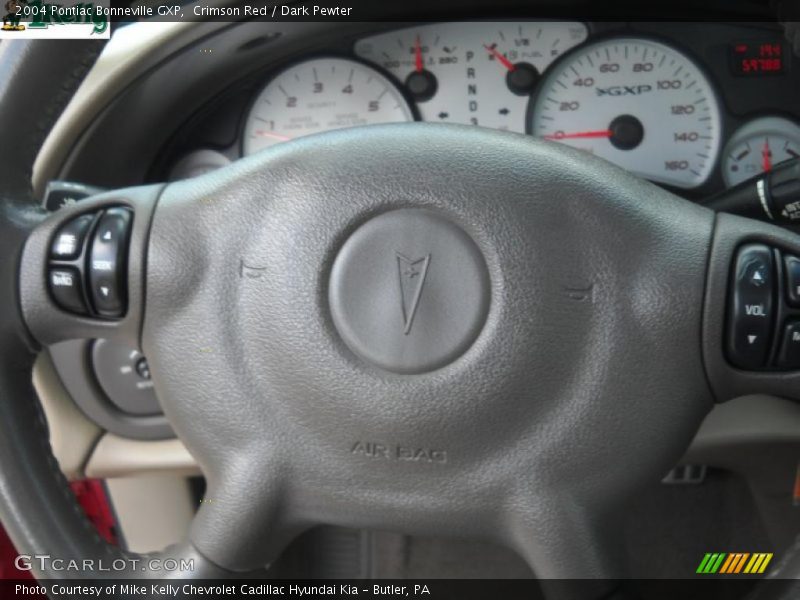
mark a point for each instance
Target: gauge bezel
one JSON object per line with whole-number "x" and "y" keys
{"x": 633, "y": 35}
{"x": 280, "y": 68}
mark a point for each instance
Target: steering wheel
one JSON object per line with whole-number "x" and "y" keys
{"x": 431, "y": 329}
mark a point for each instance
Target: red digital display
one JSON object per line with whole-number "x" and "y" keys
{"x": 758, "y": 58}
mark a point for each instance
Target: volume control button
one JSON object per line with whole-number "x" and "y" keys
{"x": 751, "y": 306}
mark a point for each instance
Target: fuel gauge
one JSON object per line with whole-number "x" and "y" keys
{"x": 476, "y": 73}
{"x": 758, "y": 146}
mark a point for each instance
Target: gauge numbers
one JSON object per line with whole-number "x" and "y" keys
{"x": 320, "y": 95}
{"x": 637, "y": 103}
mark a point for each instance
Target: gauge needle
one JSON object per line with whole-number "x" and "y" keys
{"x": 418, "y": 55}
{"x": 560, "y": 135}
{"x": 502, "y": 59}
{"x": 766, "y": 155}
{"x": 274, "y": 136}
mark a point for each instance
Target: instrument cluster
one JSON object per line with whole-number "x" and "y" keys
{"x": 643, "y": 102}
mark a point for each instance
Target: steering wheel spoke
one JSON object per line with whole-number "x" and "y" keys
{"x": 242, "y": 523}
{"x": 573, "y": 550}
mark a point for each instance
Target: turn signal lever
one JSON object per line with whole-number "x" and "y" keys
{"x": 772, "y": 196}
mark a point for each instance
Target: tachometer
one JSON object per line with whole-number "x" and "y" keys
{"x": 637, "y": 103}
{"x": 319, "y": 95}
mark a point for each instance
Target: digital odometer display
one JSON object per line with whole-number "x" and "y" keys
{"x": 760, "y": 58}
{"x": 637, "y": 103}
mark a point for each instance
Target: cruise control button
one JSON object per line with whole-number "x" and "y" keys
{"x": 792, "y": 268}
{"x": 751, "y": 307}
{"x": 68, "y": 241}
{"x": 67, "y": 289}
{"x": 789, "y": 355}
{"x": 107, "y": 265}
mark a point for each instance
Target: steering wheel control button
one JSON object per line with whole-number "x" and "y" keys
{"x": 66, "y": 288}
{"x": 791, "y": 265}
{"x": 751, "y": 307}
{"x": 409, "y": 291}
{"x": 68, "y": 242}
{"x": 789, "y": 353}
{"x": 107, "y": 269}
{"x": 142, "y": 368}
{"x": 87, "y": 262}
{"x": 124, "y": 376}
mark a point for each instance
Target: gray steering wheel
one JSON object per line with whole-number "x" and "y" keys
{"x": 430, "y": 329}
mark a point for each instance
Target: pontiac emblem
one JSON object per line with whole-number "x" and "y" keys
{"x": 412, "y": 278}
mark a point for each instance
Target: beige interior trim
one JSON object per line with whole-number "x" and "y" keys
{"x": 84, "y": 450}
{"x": 146, "y": 481}
{"x": 116, "y": 456}
{"x": 153, "y": 511}
{"x": 72, "y": 434}
{"x": 749, "y": 420}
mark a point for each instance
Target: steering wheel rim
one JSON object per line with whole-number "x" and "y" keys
{"x": 41, "y": 516}
{"x": 59, "y": 527}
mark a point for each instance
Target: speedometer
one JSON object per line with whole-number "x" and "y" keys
{"x": 637, "y": 103}
{"x": 319, "y": 95}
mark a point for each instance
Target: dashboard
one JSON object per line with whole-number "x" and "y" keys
{"x": 667, "y": 101}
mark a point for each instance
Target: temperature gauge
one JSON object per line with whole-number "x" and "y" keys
{"x": 758, "y": 146}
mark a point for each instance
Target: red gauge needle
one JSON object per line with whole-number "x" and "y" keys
{"x": 418, "y": 55}
{"x": 560, "y": 135}
{"x": 274, "y": 136}
{"x": 501, "y": 59}
{"x": 766, "y": 156}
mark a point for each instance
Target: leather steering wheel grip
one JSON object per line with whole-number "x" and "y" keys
{"x": 36, "y": 83}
